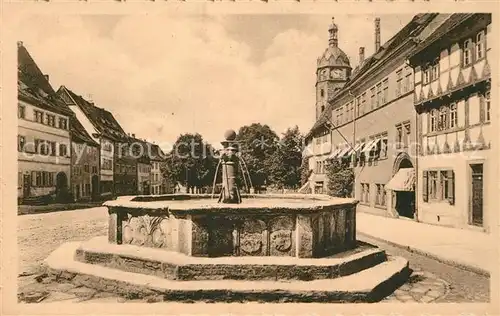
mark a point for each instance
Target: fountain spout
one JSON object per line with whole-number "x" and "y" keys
{"x": 230, "y": 193}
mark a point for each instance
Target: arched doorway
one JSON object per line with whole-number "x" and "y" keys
{"x": 404, "y": 198}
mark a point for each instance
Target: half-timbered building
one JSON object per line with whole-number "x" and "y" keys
{"x": 456, "y": 168}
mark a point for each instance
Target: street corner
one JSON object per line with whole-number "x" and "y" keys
{"x": 421, "y": 287}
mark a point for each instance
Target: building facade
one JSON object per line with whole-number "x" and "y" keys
{"x": 43, "y": 135}
{"x": 143, "y": 177}
{"x": 101, "y": 125}
{"x": 125, "y": 171}
{"x": 157, "y": 181}
{"x": 370, "y": 123}
{"x": 84, "y": 164}
{"x": 456, "y": 171}
{"x": 139, "y": 148}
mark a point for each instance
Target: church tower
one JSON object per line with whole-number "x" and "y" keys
{"x": 333, "y": 71}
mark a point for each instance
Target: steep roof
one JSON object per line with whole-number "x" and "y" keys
{"x": 157, "y": 153}
{"x": 454, "y": 21}
{"x": 33, "y": 87}
{"x": 139, "y": 144}
{"x": 102, "y": 119}
{"x": 150, "y": 151}
{"x": 408, "y": 32}
{"x": 79, "y": 134}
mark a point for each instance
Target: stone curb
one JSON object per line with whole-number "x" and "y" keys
{"x": 450, "y": 262}
{"x": 370, "y": 285}
{"x": 140, "y": 262}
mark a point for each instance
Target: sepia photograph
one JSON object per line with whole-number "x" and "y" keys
{"x": 256, "y": 158}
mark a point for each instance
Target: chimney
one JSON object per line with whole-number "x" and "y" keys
{"x": 89, "y": 98}
{"x": 377, "y": 34}
{"x": 133, "y": 135}
{"x": 361, "y": 55}
{"x": 19, "y": 44}
{"x": 46, "y": 77}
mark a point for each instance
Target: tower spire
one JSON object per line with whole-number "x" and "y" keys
{"x": 332, "y": 30}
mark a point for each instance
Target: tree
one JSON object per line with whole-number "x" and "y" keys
{"x": 191, "y": 162}
{"x": 258, "y": 143}
{"x": 305, "y": 172}
{"x": 340, "y": 178}
{"x": 285, "y": 162}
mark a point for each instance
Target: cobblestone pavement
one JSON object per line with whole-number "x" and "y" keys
{"x": 463, "y": 286}
{"x": 422, "y": 287}
{"x": 431, "y": 281}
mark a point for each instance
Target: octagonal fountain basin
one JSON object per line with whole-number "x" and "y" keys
{"x": 302, "y": 226}
{"x": 268, "y": 248}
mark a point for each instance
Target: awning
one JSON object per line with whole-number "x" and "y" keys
{"x": 403, "y": 180}
{"x": 335, "y": 153}
{"x": 356, "y": 149}
{"x": 371, "y": 145}
{"x": 344, "y": 152}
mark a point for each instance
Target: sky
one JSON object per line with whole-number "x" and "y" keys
{"x": 165, "y": 75}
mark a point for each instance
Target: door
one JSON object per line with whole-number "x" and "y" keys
{"x": 26, "y": 185}
{"x": 476, "y": 216}
{"x": 95, "y": 187}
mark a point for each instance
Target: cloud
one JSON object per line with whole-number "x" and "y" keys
{"x": 162, "y": 76}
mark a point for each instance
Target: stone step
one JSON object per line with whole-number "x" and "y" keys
{"x": 177, "y": 266}
{"x": 369, "y": 285}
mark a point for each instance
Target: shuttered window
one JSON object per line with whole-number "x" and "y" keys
{"x": 438, "y": 186}
{"x": 425, "y": 186}
{"x": 451, "y": 186}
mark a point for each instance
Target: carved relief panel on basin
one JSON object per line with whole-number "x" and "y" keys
{"x": 281, "y": 237}
{"x": 253, "y": 241}
{"x": 144, "y": 231}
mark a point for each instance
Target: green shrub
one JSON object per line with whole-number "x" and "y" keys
{"x": 340, "y": 178}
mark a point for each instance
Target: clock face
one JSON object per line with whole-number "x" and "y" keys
{"x": 337, "y": 73}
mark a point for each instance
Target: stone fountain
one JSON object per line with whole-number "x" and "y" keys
{"x": 243, "y": 247}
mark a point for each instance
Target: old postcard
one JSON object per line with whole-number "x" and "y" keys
{"x": 250, "y": 158}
